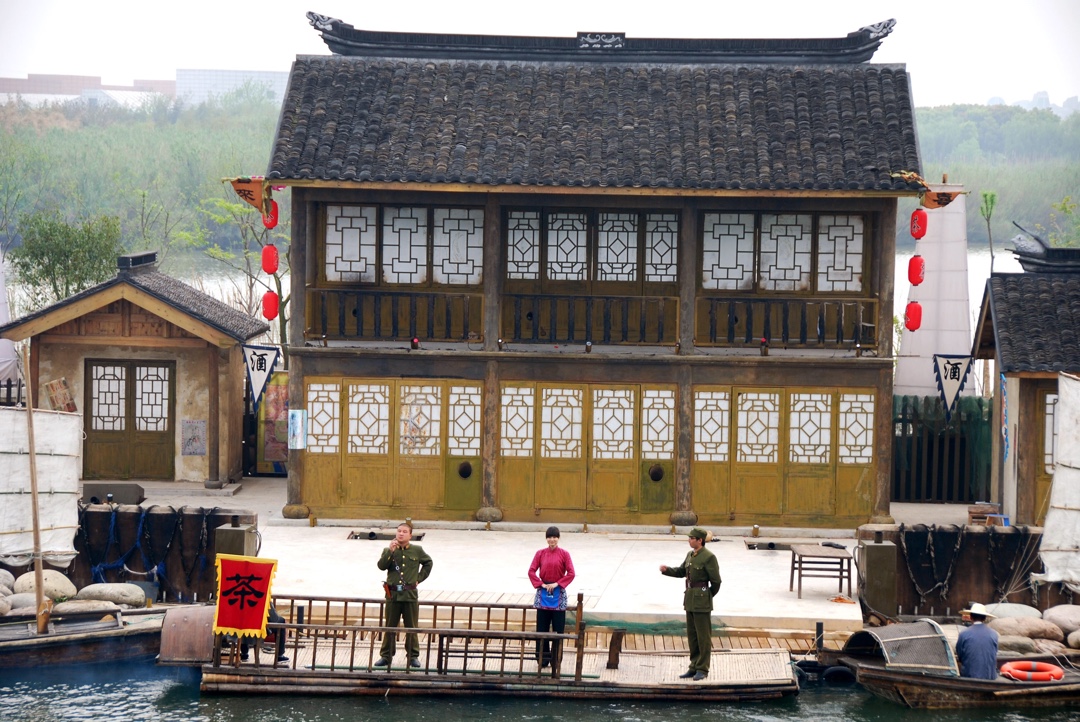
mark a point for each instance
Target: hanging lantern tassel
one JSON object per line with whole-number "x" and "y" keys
{"x": 270, "y": 259}
{"x": 918, "y": 223}
{"x": 913, "y": 316}
{"x": 270, "y": 305}
{"x": 916, "y": 269}
{"x": 270, "y": 221}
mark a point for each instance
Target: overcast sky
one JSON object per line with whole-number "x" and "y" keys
{"x": 958, "y": 51}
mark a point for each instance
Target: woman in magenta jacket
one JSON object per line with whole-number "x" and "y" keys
{"x": 551, "y": 572}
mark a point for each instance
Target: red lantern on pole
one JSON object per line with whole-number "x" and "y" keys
{"x": 270, "y": 305}
{"x": 913, "y": 316}
{"x": 270, "y": 221}
{"x": 270, "y": 259}
{"x": 918, "y": 223}
{"x": 916, "y": 270}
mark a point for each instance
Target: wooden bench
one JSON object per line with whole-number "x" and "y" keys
{"x": 814, "y": 560}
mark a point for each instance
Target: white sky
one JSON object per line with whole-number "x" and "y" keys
{"x": 957, "y": 51}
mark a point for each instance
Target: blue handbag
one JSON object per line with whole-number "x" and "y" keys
{"x": 549, "y": 600}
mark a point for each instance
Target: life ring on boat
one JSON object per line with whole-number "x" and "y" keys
{"x": 1032, "y": 671}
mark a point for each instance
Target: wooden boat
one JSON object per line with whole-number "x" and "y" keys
{"x": 466, "y": 648}
{"x": 81, "y": 639}
{"x": 913, "y": 665}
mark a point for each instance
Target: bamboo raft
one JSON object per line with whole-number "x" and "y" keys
{"x": 476, "y": 647}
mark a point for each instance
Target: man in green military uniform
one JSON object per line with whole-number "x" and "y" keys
{"x": 406, "y": 565}
{"x": 702, "y": 573}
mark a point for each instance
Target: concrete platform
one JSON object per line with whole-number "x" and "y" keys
{"x": 617, "y": 567}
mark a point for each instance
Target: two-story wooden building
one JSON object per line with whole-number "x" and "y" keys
{"x": 596, "y": 279}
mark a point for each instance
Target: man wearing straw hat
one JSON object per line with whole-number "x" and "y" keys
{"x": 702, "y": 573}
{"x": 977, "y": 646}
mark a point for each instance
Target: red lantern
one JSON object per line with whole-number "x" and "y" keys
{"x": 270, "y": 221}
{"x": 918, "y": 223}
{"x": 916, "y": 270}
{"x": 270, "y": 305}
{"x": 913, "y": 316}
{"x": 270, "y": 259}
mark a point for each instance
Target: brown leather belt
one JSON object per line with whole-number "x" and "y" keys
{"x": 697, "y": 585}
{"x": 401, "y": 587}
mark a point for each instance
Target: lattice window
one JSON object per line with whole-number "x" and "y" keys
{"x": 613, "y": 423}
{"x": 420, "y": 417}
{"x": 152, "y": 398}
{"x": 567, "y": 247}
{"x": 369, "y": 419}
{"x": 324, "y": 410}
{"x": 758, "y": 438}
{"x": 351, "y": 241}
{"x": 810, "y": 418}
{"x": 712, "y": 425}
{"x": 658, "y": 424}
{"x": 617, "y": 247}
{"x": 108, "y": 397}
{"x": 458, "y": 246}
{"x": 463, "y": 424}
{"x": 661, "y": 248}
{"x": 405, "y": 257}
{"x": 560, "y": 423}
{"x": 1050, "y": 432}
{"x": 518, "y": 419}
{"x": 523, "y": 245}
{"x": 856, "y": 425}
{"x": 840, "y": 253}
{"x": 728, "y": 252}
{"x": 786, "y": 244}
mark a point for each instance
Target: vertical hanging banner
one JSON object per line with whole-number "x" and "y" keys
{"x": 260, "y": 362}
{"x": 1004, "y": 418}
{"x": 951, "y": 374}
{"x": 243, "y": 595}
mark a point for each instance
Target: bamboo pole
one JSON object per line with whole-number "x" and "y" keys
{"x": 39, "y": 571}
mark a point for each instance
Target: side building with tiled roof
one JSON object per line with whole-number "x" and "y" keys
{"x": 154, "y": 366}
{"x": 593, "y": 280}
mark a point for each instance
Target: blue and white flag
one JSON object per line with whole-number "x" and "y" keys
{"x": 260, "y": 362}
{"x": 951, "y": 374}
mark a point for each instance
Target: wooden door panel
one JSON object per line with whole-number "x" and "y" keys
{"x": 854, "y": 491}
{"x": 130, "y": 420}
{"x": 711, "y": 487}
{"x": 808, "y": 489}
{"x": 367, "y": 480}
{"x": 612, "y": 485}
{"x": 515, "y": 482}
{"x": 420, "y": 481}
{"x": 561, "y": 485}
{"x": 757, "y": 490}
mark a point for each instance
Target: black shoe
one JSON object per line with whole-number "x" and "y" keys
{"x": 243, "y": 658}
{"x": 700, "y": 676}
{"x": 383, "y": 662}
{"x": 414, "y": 662}
{"x": 283, "y": 658}
{"x": 687, "y": 675}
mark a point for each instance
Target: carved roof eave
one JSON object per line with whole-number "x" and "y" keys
{"x": 855, "y": 47}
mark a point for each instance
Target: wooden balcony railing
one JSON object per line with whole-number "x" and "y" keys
{"x": 795, "y": 323}
{"x": 395, "y": 315}
{"x": 529, "y": 318}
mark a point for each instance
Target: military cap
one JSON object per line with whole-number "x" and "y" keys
{"x": 697, "y": 533}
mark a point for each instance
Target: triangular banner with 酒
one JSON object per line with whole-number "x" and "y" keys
{"x": 951, "y": 374}
{"x": 260, "y": 362}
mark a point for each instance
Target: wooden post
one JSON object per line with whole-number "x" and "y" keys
{"x": 39, "y": 570}
{"x": 579, "y": 626}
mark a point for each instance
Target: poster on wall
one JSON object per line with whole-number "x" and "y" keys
{"x": 60, "y": 398}
{"x": 193, "y": 435}
{"x": 272, "y": 447}
{"x": 298, "y": 429}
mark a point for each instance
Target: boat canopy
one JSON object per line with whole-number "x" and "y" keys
{"x": 1060, "y": 547}
{"x": 919, "y": 647}
{"x": 58, "y": 442}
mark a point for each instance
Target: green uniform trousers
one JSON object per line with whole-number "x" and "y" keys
{"x": 699, "y": 636}
{"x": 409, "y": 613}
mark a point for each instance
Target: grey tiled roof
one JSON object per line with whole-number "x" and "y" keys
{"x": 549, "y": 123}
{"x": 177, "y": 294}
{"x": 1036, "y": 321}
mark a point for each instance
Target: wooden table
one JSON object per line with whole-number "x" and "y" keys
{"x": 814, "y": 560}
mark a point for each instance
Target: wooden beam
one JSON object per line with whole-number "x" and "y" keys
{"x": 592, "y": 190}
{"x": 64, "y": 314}
{"x": 140, "y": 341}
{"x": 177, "y": 317}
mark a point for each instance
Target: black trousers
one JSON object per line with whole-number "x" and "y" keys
{"x": 279, "y": 634}
{"x": 549, "y": 620}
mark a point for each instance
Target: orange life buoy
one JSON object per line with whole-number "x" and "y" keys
{"x": 1032, "y": 671}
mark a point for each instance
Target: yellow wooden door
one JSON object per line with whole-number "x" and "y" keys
{"x": 419, "y": 439}
{"x": 656, "y": 468}
{"x": 516, "y": 467}
{"x": 368, "y": 471}
{"x": 463, "y": 475}
{"x": 710, "y": 469}
{"x": 1046, "y": 431}
{"x": 809, "y": 487}
{"x": 322, "y": 457}
{"x": 757, "y": 484}
{"x": 613, "y": 448}
{"x": 560, "y": 466}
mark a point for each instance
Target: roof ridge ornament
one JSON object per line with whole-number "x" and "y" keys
{"x": 601, "y": 41}
{"x": 877, "y": 30}
{"x": 321, "y": 22}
